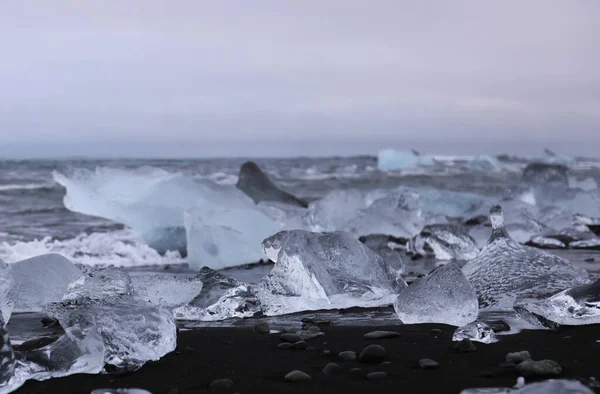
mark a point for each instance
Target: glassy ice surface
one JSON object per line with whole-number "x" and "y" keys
{"x": 40, "y": 280}
{"x": 100, "y": 284}
{"x": 226, "y": 237}
{"x": 579, "y": 305}
{"x": 325, "y": 271}
{"x": 6, "y": 284}
{"x": 221, "y": 298}
{"x": 560, "y": 386}
{"x": 476, "y": 331}
{"x": 166, "y": 289}
{"x": 445, "y": 242}
{"x": 335, "y": 210}
{"x": 127, "y": 333}
{"x": 444, "y": 296}
{"x": 505, "y": 269}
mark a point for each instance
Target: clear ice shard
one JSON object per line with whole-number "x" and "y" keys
{"x": 257, "y": 185}
{"x": 6, "y": 284}
{"x": 444, "y": 296}
{"x": 324, "y": 271}
{"x": 166, "y": 289}
{"x": 221, "y": 298}
{"x": 476, "y": 331}
{"x": 577, "y": 306}
{"x": 445, "y": 242}
{"x": 558, "y": 386}
{"x": 149, "y": 200}
{"x": 505, "y": 269}
{"x": 225, "y": 238}
{"x": 100, "y": 284}
{"x": 40, "y": 280}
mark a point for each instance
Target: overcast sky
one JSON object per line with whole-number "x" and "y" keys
{"x": 279, "y": 78}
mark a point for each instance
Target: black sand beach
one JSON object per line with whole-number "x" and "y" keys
{"x": 255, "y": 364}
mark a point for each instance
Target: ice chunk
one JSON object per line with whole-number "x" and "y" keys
{"x": 505, "y": 269}
{"x": 7, "y": 356}
{"x": 40, "y": 280}
{"x": 445, "y": 242}
{"x": 586, "y": 184}
{"x": 561, "y": 386}
{"x": 476, "y": 331}
{"x": 6, "y": 284}
{"x": 577, "y": 306}
{"x": 257, "y": 185}
{"x": 390, "y": 159}
{"x": 325, "y": 271}
{"x": 100, "y": 284}
{"x": 546, "y": 243}
{"x": 444, "y": 296}
{"x": 166, "y": 289}
{"x": 149, "y": 200}
{"x": 226, "y": 238}
{"x": 484, "y": 163}
{"x": 379, "y": 243}
{"x": 132, "y": 332}
{"x": 593, "y": 243}
{"x": 335, "y": 210}
{"x": 221, "y": 298}
{"x": 546, "y": 173}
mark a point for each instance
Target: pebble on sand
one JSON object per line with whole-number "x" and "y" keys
{"x": 297, "y": 376}
{"x": 285, "y": 345}
{"x": 347, "y": 355}
{"x": 518, "y": 357}
{"x": 544, "y": 368}
{"x": 331, "y": 369}
{"x": 292, "y": 338}
{"x": 376, "y": 375}
{"x": 222, "y": 384}
{"x": 372, "y": 354}
{"x": 382, "y": 334}
{"x": 427, "y": 363}
{"x": 465, "y": 346}
{"x": 262, "y": 328}
{"x": 299, "y": 345}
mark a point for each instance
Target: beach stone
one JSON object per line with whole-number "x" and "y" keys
{"x": 381, "y": 334}
{"x": 427, "y": 363}
{"x": 297, "y": 376}
{"x": 285, "y": 345}
{"x": 436, "y": 331}
{"x": 544, "y": 368}
{"x": 326, "y": 352}
{"x": 357, "y": 371}
{"x": 498, "y": 325}
{"x": 372, "y": 354}
{"x": 222, "y": 384}
{"x": 376, "y": 375}
{"x": 299, "y": 345}
{"x": 508, "y": 365}
{"x": 331, "y": 368}
{"x": 347, "y": 355}
{"x": 518, "y": 357}
{"x": 590, "y": 260}
{"x": 292, "y": 338}
{"x": 291, "y": 330}
{"x": 262, "y": 328}
{"x": 465, "y": 346}
{"x": 314, "y": 329}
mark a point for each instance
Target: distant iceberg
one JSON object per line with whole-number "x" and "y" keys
{"x": 390, "y": 159}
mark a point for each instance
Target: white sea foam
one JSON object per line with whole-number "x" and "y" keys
{"x": 28, "y": 186}
{"x": 123, "y": 248}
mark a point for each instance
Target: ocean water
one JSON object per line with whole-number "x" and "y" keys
{"x": 33, "y": 219}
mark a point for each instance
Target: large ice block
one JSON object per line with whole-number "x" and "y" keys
{"x": 40, "y": 280}
{"x": 444, "y": 296}
{"x": 325, "y": 271}
{"x": 221, "y": 298}
{"x": 226, "y": 237}
{"x": 505, "y": 269}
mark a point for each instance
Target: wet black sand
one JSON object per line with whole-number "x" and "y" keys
{"x": 256, "y": 365}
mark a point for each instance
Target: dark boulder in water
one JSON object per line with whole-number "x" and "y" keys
{"x": 257, "y": 185}
{"x": 544, "y": 173}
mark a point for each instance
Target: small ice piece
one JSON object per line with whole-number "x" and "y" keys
{"x": 221, "y": 298}
{"x": 257, "y": 185}
{"x": 6, "y": 284}
{"x": 546, "y": 243}
{"x": 444, "y": 296}
{"x": 484, "y": 163}
{"x": 166, "y": 289}
{"x": 390, "y": 159}
{"x": 445, "y": 242}
{"x": 40, "y": 280}
{"x": 577, "y": 306}
{"x": 586, "y": 184}
{"x": 325, "y": 271}
{"x": 593, "y": 243}
{"x": 100, "y": 284}
{"x": 131, "y": 332}
{"x": 559, "y": 386}
{"x": 476, "y": 331}
{"x": 505, "y": 269}
{"x": 226, "y": 238}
